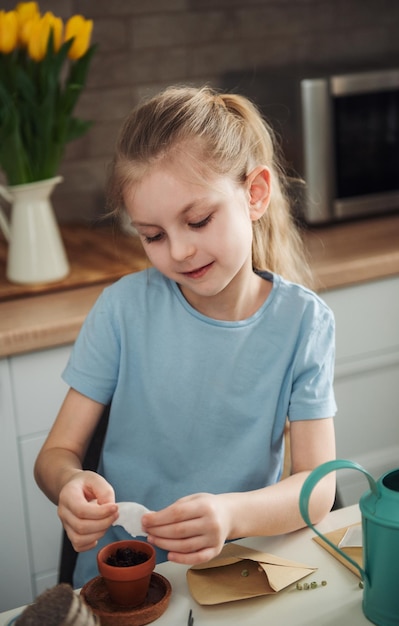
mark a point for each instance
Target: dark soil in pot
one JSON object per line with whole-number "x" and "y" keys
{"x": 126, "y": 557}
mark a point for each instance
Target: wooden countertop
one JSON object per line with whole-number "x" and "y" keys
{"x": 33, "y": 318}
{"x": 346, "y": 254}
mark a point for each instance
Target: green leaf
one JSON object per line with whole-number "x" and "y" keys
{"x": 77, "y": 128}
{"x": 76, "y": 79}
{"x": 37, "y": 100}
{"x": 13, "y": 157}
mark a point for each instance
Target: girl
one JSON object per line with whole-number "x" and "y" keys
{"x": 204, "y": 355}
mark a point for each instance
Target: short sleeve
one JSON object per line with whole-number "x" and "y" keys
{"x": 312, "y": 394}
{"x": 94, "y": 362}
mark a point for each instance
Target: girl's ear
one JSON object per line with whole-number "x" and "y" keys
{"x": 258, "y": 185}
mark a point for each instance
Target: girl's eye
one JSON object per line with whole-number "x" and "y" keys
{"x": 202, "y": 223}
{"x": 149, "y": 239}
{"x": 159, "y": 236}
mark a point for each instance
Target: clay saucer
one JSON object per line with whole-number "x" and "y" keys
{"x": 96, "y": 595}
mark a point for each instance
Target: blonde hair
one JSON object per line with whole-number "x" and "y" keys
{"x": 228, "y": 136}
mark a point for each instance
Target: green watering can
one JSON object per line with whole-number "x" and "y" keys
{"x": 379, "y": 507}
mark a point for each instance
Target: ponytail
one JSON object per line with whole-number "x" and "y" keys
{"x": 227, "y": 134}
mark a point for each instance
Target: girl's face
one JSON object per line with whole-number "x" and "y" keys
{"x": 197, "y": 234}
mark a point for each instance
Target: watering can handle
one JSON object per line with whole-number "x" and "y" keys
{"x": 308, "y": 486}
{"x": 4, "y": 225}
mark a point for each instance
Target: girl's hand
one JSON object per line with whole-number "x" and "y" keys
{"x": 193, "y": 529}
{"x": 87, "y": 509}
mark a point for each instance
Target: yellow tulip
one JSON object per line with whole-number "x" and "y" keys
{"x": 25, "y": 30}
{"x": 26, "y": 12}
{"x": 56, "y": 24}
{"x": 8, "y": 31}
{"x": 39, "y": 30}
{"x": 79, "y": 29}
{"x": 37, "y": 33}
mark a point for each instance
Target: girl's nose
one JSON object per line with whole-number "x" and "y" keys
{"x": 181, "y": 249}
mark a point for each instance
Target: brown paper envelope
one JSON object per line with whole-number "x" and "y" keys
{"x": 335, "y": 536}
{"x": 239, "y": 573}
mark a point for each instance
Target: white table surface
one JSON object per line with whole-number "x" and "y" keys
{"x": 339, "y": 602}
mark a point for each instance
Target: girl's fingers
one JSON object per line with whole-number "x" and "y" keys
{"x": 184, "y": 510}
{"x": 190, "y": 544}
{"x": 192, "y": 530}
{"x": 181, "y": 530}
{"x": 84, "y": 533}
{"x": 85, "y": 530}
{"x": 86, "y": 526}
{"x": 87, "y": 519}
{"x": 81, "y": 543}
{"x": 193, "y": 558}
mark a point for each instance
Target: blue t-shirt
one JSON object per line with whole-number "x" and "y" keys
{"x": 198, "y": 404}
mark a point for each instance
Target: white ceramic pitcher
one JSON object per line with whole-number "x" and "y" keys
{"x": 36, "y": 252}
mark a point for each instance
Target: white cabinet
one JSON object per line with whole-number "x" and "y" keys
{"x": 31, "y": 393}
{"x": 366, "y": 380}
{"x": 15, "y": 582}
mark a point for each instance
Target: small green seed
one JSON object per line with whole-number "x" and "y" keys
{"x": 361, "y": 584}
{"x": 312, "y": 585}
{"x": 245, "y": 573}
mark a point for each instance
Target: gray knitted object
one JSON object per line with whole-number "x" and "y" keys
{"x": 58, "y": 606}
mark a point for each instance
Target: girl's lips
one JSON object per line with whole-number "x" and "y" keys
{"x": 198, "y": 273}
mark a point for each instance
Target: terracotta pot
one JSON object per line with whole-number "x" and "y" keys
{"x": 127, "y": 586}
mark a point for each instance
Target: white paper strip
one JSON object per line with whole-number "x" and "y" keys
{"x": 130, "y": 514}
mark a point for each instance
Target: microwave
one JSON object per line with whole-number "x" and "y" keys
{"x": 350, "y": 135}
{"x": 339, "y": 135}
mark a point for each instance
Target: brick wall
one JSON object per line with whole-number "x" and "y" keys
{"x": 148, "y": 44}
